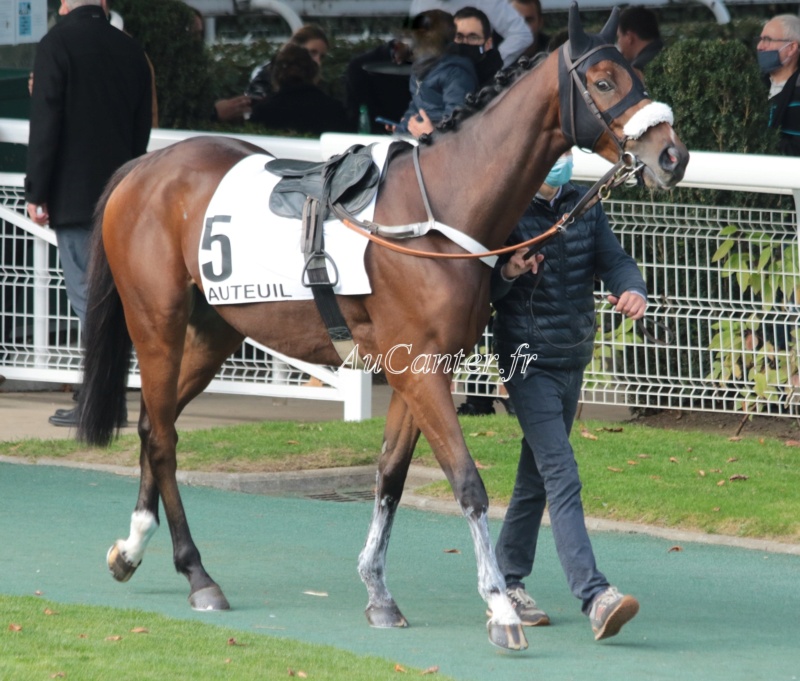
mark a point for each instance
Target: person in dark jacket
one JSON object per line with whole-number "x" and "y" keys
{"x": 638, "y": 36}
{"x": 439, "y": 80}
{"x": 297, "y": 103}
{"x": 91, "y": 111}
{"x": 544, "y": 331}
{"x": 779, "y": 58}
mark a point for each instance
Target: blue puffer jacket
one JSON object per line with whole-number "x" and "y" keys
{"x": 557, "y": 317}
{"x": 440, "y": 89}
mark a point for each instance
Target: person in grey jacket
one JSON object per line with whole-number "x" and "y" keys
{"x": 544, "y": 331}
{"x": 440, "y": 80}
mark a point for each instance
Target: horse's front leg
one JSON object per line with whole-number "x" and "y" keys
{"x": 428, "y": 397}
{"x": 400, "y": 438}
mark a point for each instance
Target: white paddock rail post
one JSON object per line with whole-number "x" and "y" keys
{"x": 40, "y": 356}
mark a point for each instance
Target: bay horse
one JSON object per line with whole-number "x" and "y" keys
{"x": 145, "y": 291}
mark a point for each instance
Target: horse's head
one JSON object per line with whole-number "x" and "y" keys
{"x": 605, "y": 107}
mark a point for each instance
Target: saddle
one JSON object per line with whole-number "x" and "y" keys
{"x": 349, "y": 179}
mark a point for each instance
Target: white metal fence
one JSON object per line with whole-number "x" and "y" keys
{"x": 734, "y": 318}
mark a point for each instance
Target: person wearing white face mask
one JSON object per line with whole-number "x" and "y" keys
{"x": 544, "y": 330}
{"x": 778, "y": 53}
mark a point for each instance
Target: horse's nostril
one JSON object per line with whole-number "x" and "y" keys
{"x": 670, "y": 159}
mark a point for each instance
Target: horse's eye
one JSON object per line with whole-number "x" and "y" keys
{"x": 604, "y": 85}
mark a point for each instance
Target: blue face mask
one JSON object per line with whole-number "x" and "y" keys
{"x": 769, "y": 60}
{"x": 560, "y": 173}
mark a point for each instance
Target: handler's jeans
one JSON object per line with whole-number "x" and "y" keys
{"x": 546, "y": 402}
{"x": 73, "y": 250}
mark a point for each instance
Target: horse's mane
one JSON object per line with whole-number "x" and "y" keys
{"x": 478, "y": 101}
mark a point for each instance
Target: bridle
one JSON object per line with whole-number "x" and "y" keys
{"x": 582, "y": 127}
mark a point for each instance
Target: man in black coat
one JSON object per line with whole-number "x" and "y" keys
{"x": 779, "y": 58}
{"x": 91, "y": 111}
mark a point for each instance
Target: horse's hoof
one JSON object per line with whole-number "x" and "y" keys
{"x": 508, "y": 636}
{"x": 385, "y": 617}
{"x": 210, "y": 598}
{"x": 118, "y": 565}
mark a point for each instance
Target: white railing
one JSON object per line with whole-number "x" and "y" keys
{"x": 731, "y": 350}
{"x": 40, "y": 336}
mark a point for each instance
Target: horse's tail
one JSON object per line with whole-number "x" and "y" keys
{"x": 107, "y": 343}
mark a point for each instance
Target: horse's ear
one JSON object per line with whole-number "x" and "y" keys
{"x": 579, "y": 42}
{"x": 609, "y": 32}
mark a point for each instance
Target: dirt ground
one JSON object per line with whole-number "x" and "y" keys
{"x": 782, "y": 428}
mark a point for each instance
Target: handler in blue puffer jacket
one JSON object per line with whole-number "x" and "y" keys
{"x": 440, "y": 79}
{"x": 544, "y": 332}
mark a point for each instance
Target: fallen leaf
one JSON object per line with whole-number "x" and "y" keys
{"x": 227, "y": 660}
{"x": 643, "y": 456}
{"x": 321, "y": 594}
{"x": 792, "y": 443}
{"x": 735, "y": 438}
{"x": 290, "y": 671}
{"x": 737, "y": 476}
{"x": 452, "y": 551}
{"x": 301, "y": 674}
{"x": 672, "y": 459}
{"x": 761, "y": 441}
{"x": 14, "y": 627}
{"x": 689, "y": 449}
{"x": 430, "y": 670}
{"x": 233, "y": 642}
{"x": 716, "y": 470}
{"x": 720, "y": 483}
{"x": 655, "y": 477}
{"x": 614, "y": 470}
{"x": 585, "y": 433}
{"x": 606, "y": 429}
{"x": 483, "y": 433}
{"x": 38, "y": 593}
{"x": 675, "y": 549}
{"x": 479, "y": 465}
{"x": 47, "y": 611}
{"x": 732, "y": 459}
{"x": 702, "y": 474}
{"x": 113, "y": 638}
{"x": 58, "y": 675}
{"x": 715, "y": 509}
{"x": 140, "y": 630}
{"x": 292, "y": 442}
{"x": 633, "y": 463}
{"x": 400, "y": 668}
{"x": 82, "y": 636}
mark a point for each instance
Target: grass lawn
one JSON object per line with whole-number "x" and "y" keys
{"x": 690, "y": 480}
{"x": 45, "y": 640}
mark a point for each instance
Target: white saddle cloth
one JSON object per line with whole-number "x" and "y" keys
{"x": 249, "y": 255}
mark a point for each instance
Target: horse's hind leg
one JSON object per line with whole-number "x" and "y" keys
{"x": 400, "y": 438}
{"x": 208, "y": 342}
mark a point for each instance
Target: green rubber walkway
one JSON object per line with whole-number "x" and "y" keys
{"x": 708, "y": 613}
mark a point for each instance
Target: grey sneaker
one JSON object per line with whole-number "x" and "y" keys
{"x": 610, "y": 611}
{"x": 530, "y": 614}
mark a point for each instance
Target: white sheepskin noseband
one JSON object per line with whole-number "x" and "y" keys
{"x": 645, "y": 118}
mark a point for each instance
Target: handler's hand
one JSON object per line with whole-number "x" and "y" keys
{"x": 518, "y": 265}
{"x": 630, "y": 304}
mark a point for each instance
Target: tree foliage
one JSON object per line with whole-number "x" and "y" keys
{"x": 716, "y": 93}
{"x": 179, "y": 57}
